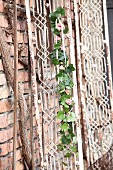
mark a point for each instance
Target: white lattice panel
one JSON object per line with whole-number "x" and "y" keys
{"x": 95, "y": 82}
{"x": 47, "y": 96}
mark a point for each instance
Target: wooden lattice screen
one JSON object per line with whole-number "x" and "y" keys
{"x": 87, "y": 45}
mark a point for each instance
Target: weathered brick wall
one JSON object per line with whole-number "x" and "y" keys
{"x": 6, "y": 97}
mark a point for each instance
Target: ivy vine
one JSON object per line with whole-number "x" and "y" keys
{"x": 65, "y": 85}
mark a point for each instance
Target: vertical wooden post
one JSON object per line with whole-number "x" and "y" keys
{"x": 15, "y": 85}
{"x": 35, "y": 109}
{"x": 75, "y": 87}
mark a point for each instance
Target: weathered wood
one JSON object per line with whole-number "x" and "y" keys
{"x": 8, "y": 69}
{"x": 110, "y": 26}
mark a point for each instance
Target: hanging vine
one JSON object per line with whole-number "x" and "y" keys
{"x": 60, "y": 60}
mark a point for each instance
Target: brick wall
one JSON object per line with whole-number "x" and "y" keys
{"x": 6, "y": 96}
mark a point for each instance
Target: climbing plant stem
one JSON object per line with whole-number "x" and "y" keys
{"x": 65, "y": 83}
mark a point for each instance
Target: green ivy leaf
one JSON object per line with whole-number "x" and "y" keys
{"x": 68, "y": 136}
{"x": 64, "y": 126}
{"x": 66, "y": 77}
{"x": 58, "y": 45}
{"x": 66, "y": 105}
{"x": 52, "y": 55}
{"x": 70, "y": 130}
{"x": 65, "y": 140}
{"x": 61, "y": 91}
{"x": 69, "y": 84}
{"x": 53, "y": 25}
{"x": 68, "y": 155}
{"x": 60, "y": 115}
{"x": 56, "y": 31}
{"x": 64, "y": 97}
{"x": 71, "y": 117}
{"x": 60, "y": 74}
{"x": 61, "y": 85}
{"x": 61, "y": 11}
{"x": 60, "y": 147}
{"x": 62, "y": 57}
{"x": 66, "y": 110}
{"x": 74, "y": 139}
{"x": 65, "y": 31}
{"x": 73, "y": 149}
{"x": 62, "y": 132}
{"x": 70, "y": 68}
{"x": 77, "y": 154}
{"x": 68, "y": 87}
{"x": 65, "y": 84}
{"x": 53, "y": 16}
{"x": 55, "y": 61}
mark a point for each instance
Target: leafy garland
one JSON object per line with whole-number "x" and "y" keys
{"x": 65, "y": 85}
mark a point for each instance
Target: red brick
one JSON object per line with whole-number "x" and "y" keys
{"x": 6, "y": 134}
{"x": 31, "y": 4}
{"x": 8, "y": 120}
{"x": 34, "y": 123}
{"x": 8, "y": 147}
{"x": 20, "y": 37}
{"x": 2, "y": 79}
{"x": 4, "y": 91}
{"x": 3, "y": 21}
{"x": 25, "y": 87}
{"x": 7, "y": 161}
{"x": 12, "y": 50}
{"x": 9, "y": 38}
{"x": 3, "y": 121}
{"x": 1, "y": 6}
{"x": 1, "y": 65}
{"x": 25, "y": 38}
{"x": 21, "y": 1}
{"x": 22, "y": 76}
{"x": 18, "y": 1}
{"x": 19, "y": 166}
{"x": 20, "y": 66}
{"x": 18, "y": 26}
{"x": 21, "y": 25}
{"x": 5, "y": 106}
{"x": 23, "y": 53}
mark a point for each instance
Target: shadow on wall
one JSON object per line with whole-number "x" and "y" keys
{"x": 105, "y": 162}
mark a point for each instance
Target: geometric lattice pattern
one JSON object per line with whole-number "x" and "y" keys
{"x": 47, "y": 96}
{"x": 95, "y": 80}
